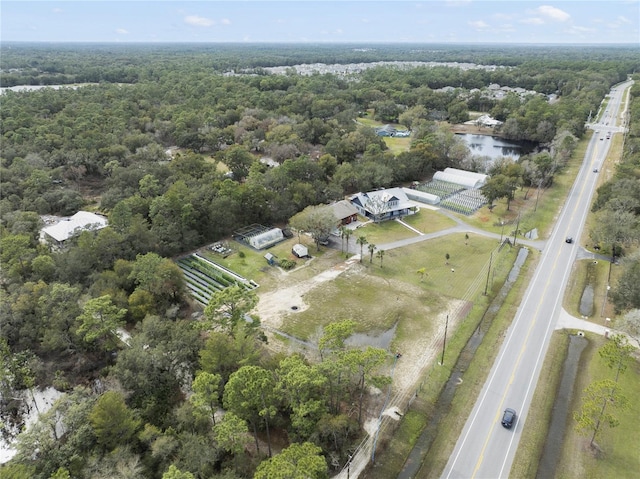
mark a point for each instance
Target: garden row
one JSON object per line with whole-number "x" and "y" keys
{"x": 204, "y": 277}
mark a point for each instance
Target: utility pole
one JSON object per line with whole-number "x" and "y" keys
{"x": 515, "y": 232}
{"x": 488, "y": 271}
{"x": 501, "y": 230}
{"x": 537, "y": 195}
{"x": 444, "y": 343}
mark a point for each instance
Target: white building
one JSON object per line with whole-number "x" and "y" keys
{"x": 67, "y": 228}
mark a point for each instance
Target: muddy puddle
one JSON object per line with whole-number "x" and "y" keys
{"x": 382, "y": 340}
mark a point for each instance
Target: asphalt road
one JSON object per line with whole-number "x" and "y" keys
{"x": 485, "y": 449}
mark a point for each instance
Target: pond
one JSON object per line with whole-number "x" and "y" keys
{"x": 495, "y": 147}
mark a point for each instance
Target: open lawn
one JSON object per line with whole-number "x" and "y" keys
{"x": 397, "y": 145}
{"x": 251, "y": 264}
{"x": 378, "y": 297}
{"x": 380, "y": 233}
{"x": 429, "y": 221}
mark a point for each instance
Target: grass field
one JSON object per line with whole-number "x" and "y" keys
{"x": 619, "y": 455}
{"x": 379, "y": 297}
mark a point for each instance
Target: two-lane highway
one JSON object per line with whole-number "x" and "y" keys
{"x": 485, "y": 449}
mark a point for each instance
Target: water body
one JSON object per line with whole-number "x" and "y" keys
{"x": 560, "y": 414}
{"x": 495, "y": 147}
{"x": 443, "y": 404}
{"x": 382, "y": 340}
{"x": 586, "y": 301}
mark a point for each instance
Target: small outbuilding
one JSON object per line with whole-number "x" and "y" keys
{"x": 300, "y": 250}
{"x": 271, "y": 259}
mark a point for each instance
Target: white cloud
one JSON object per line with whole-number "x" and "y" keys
{"x": 552, "y": 13}
{"x": 622, "y": 19}
{"x": 57, "y": 10}
{"x": 122, "y": 31}
{"x": 580, "y": 30}
{"x": 502, "y": 16}
{"x": 198, "y": 21}
{"x": 533, "y": 21}
{"x": 478, "y": 24}
{"x": 457, "y": 3}
{"x": 225, "y": 21}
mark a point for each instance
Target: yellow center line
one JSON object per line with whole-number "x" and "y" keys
{"x": 524, "y": 346}
{"x": 515, "y": 368}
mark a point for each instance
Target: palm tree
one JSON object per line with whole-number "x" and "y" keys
{"x": 343, "y": 232}
{"x": 362, "y": 240}
{"x": 380, "y": 254}
{"x": 347, "y": 234}
{"x": 372, "y": 248}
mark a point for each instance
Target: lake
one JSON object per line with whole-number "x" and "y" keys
{"x": 495, "y": 147}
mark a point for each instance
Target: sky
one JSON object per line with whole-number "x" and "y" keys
{"x": 323, "y": 21}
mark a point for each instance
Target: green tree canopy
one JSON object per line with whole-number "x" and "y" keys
{"x": 298, "y": 461}
{"x": 112, "y": 421}
{"x": 318, "y": 221}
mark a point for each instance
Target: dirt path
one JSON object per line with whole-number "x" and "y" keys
{"x": 417, "y": 354}
{"x": 274, "y": 304}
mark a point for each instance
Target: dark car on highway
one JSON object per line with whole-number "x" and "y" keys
{"x": 508, "y": 418}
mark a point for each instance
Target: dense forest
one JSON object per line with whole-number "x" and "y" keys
{"x": 166, "y": 141}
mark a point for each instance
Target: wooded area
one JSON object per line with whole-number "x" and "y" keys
{"x": 166, "y": 141}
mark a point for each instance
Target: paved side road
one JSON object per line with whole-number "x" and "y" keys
{"x": 567, "y": 321}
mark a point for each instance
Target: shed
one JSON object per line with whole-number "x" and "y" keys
{"x": 271, "y": 259}
{"x": 300, "y": 250}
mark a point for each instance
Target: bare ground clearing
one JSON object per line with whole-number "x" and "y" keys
{"x": 418, "y": 351}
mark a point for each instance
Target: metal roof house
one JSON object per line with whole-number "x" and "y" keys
{"x": 65, "y": 229}
{"x": 345, "y": 211}
{"x": 383, "y": 205}
{"x": 386, "y": 130}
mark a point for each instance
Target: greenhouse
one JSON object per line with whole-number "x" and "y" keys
{"x": 259, "y": 237}
{"x": 422, "y": 196}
